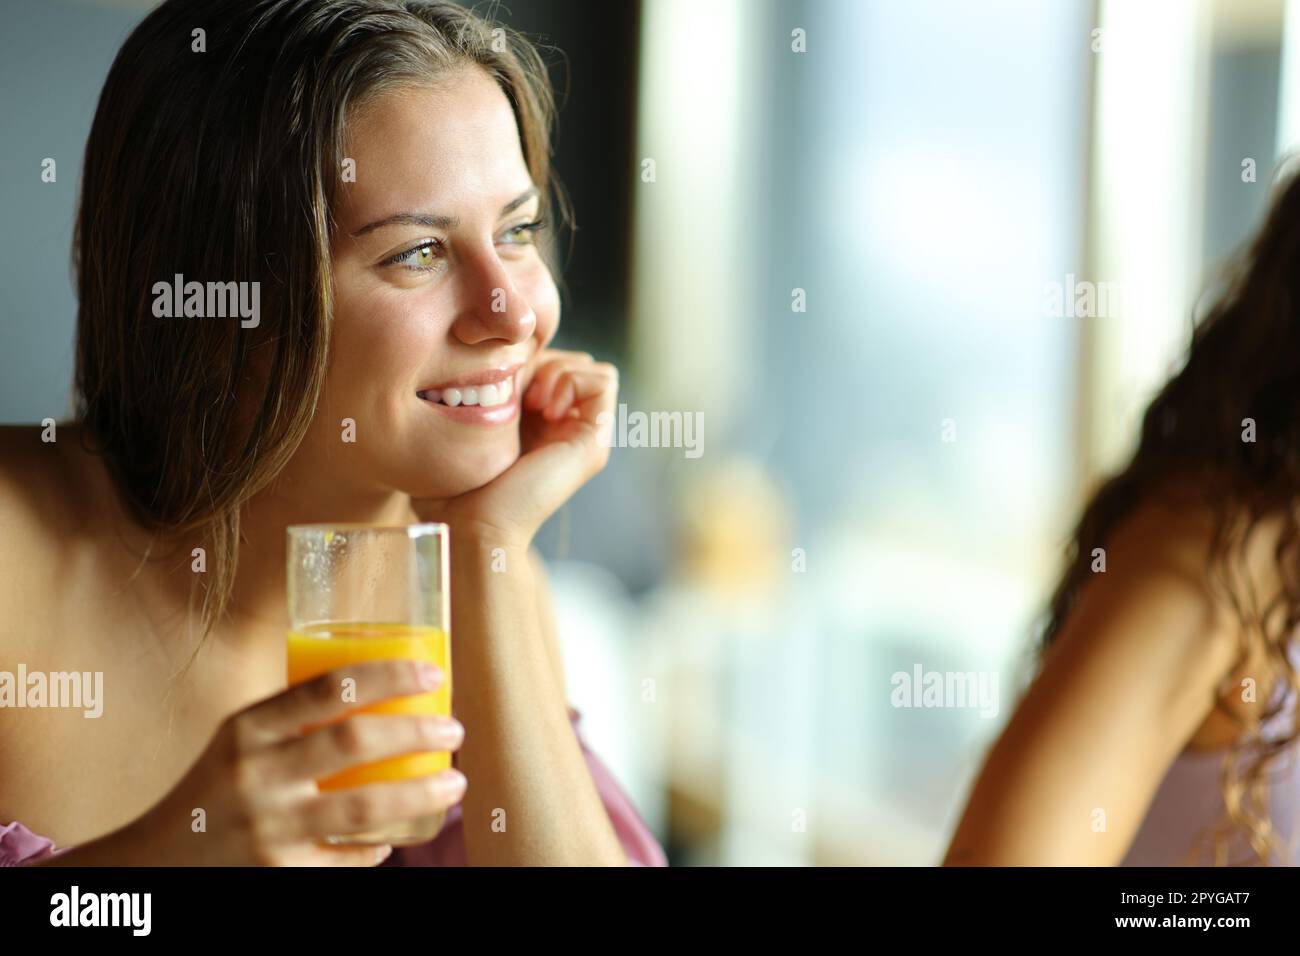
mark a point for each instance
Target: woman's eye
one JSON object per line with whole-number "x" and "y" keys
{"x": 419, "y": 258}
{"x": 524, "y": 232}
{"x": 425, "y": 256}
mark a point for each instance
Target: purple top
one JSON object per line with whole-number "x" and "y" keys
{"x": 1190, "y": 803}
{"x": 20, "y": 846}
{"x": 1188, "y": 806}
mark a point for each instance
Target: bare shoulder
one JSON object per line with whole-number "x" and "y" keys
{"x": 1253, "y": 568}
{"x": 1160, "y": 569}
{"x": 36, "y": 491}
{"x": 46, "y": 497}
{"x": 1151, "y": 598}
{"x": 1171, "y": 532}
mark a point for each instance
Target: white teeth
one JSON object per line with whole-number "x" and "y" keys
{"x": 484, "y": 396}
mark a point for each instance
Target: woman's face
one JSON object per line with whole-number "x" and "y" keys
{"x": 441, "y": 299}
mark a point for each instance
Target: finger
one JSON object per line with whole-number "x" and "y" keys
{"x": 359, "y": 739}
{"x": 322, "y": 699}
{"x": 539, "y": 389}
{"x": 360, "y": 809}
{"x": 578, "y": 389}
{"x": 562, "y": 396}
{"x": 538, "y": 394}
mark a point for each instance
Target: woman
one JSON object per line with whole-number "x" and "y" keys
{"x": 380, "y": 170}
{"x": 1161, "y": 727}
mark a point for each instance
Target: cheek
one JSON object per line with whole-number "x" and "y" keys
{"x": 380, "y": 347}
{"x": 540, "y": 290}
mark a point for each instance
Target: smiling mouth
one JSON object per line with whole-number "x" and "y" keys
{"x": 485, "y": 396}
{"x": 487, "y": 389}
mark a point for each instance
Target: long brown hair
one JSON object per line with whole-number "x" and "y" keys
{"x": 221, "y": 164}
{"x": 1243, "y": 364}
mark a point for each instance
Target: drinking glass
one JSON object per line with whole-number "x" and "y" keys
{"x": 362, "y": 593}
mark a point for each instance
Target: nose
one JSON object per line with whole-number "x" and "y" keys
{"x": 493, "y": 308}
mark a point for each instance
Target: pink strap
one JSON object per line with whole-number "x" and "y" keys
{"x": 20, "y": 846}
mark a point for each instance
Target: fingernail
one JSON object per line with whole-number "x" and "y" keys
{"x": 382, "y": 853}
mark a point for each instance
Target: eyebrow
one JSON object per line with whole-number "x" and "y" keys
{"x": 434, "y": 221}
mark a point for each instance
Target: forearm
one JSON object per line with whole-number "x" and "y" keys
{"x": 531, "y": 800}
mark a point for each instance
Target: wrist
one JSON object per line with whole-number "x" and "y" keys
{"x": 489, "y": 561}
{"x": 479, "y": 539}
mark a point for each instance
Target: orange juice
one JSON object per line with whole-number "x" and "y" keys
{"x": 322, "y": 647}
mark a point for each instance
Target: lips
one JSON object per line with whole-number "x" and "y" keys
{"x": 486, "y": 388}
{"x": 484, "y": 397}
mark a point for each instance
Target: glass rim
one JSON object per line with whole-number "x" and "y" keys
{"x": 410, "y": 530}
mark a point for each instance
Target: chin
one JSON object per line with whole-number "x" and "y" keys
{"x": 455, "y": 471}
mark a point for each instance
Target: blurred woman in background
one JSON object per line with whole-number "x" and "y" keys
{"x": 1161, "y": 726}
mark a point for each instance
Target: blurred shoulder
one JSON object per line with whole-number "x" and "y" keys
{"x": 1170, "y": 528}
{"x": 1179, "y": 545}
{"x": 1176, "y": 529}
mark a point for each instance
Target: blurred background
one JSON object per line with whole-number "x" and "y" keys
{"x": 848, "y": 237}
